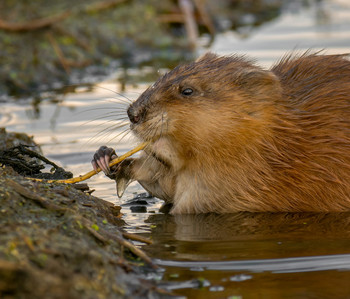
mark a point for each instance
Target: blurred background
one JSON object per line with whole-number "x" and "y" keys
{"x": 48, "y": 45}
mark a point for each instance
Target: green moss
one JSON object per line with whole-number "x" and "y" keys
{"x": 95, "y": 227}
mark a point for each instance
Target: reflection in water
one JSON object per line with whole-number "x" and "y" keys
{"x": 282, "y": 265}
{"x": 246, "y": 230}
{"x": 281, "y": 254}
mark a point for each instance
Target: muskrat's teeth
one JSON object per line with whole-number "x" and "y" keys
{"x": 122, "y": 184}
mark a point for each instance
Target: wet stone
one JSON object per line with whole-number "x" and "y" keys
{"x": 138, "y": 209}
{"x": 140, "y": 202}
{"x": 241, "y": 277}
{"x": 140, "y": 199}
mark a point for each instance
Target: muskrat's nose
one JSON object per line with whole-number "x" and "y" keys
{"x": 134, "y": 115}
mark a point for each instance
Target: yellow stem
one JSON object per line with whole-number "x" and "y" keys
{"x": 93, "y": 172}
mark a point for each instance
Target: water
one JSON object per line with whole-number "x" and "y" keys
{"x": 213, "y": 256}
{"x": 255, "y": 255}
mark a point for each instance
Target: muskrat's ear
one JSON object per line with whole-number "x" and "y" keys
{"x": 258, "y": 81}
{"x": 207, "y": 57}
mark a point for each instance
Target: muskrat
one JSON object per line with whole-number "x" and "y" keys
{"x": 226, "y": 135}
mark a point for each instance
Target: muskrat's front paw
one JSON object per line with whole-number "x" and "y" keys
{"x": 102, "y": 157}
{"x": 119, "y": 172}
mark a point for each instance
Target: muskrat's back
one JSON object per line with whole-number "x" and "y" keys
{"x": 227, "y": 135}
{"x": 316, "y": 101}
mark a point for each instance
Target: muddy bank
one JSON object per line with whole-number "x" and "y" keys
{"x": 60, "y": 242}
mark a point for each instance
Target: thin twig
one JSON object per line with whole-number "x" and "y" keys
{"x": 118, "y": 238}
{"x": 137, "y": 238}
{"x": 93, "y": 172}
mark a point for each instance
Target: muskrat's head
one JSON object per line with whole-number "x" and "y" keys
{"x": 211, "y": 100}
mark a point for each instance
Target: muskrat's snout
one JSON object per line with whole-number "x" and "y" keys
{"x": 134, "y": 114}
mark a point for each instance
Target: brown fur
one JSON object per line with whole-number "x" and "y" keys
{"x": 248, "y": 139}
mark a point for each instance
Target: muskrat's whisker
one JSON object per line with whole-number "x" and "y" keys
{"x": 120, "y": 135}
{"x": 114, "y": 100}
{"x": 114, "y": 128}
{"x": 115, "y": 92}
{"x": 111, "y": 114}
{"x": 152, "y": 128}
{"x": 127, "y": 132}
{"x": 135, "y": 92}
{"x": 115, "y": 123}
{"x": 117, "y": 118}
{"x": 102, "y": 108}
{"x": 103, "y": 133}
{"x": 121, "y": 119}
{"x": 118, "y": 114}
{"x": 114, "y": 110}
{"x": 114, "y": 116}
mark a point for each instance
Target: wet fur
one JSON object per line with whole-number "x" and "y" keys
{"x": 248, "y": 139}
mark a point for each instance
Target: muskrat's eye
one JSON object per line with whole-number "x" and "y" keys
{"x": 187, "y": 91}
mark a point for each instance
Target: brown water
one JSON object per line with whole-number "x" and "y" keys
{"x": 254, "y": 255}
{"x": 210, "y": 256}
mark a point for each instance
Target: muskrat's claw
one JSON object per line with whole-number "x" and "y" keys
{"x": 119, "y": 172}
{"x": 102, "y": 157}
{"x": 122, "y": 176}
{"x": 122, "y": 183}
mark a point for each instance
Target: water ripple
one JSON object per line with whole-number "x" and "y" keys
{"x": 280, "y": 265}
